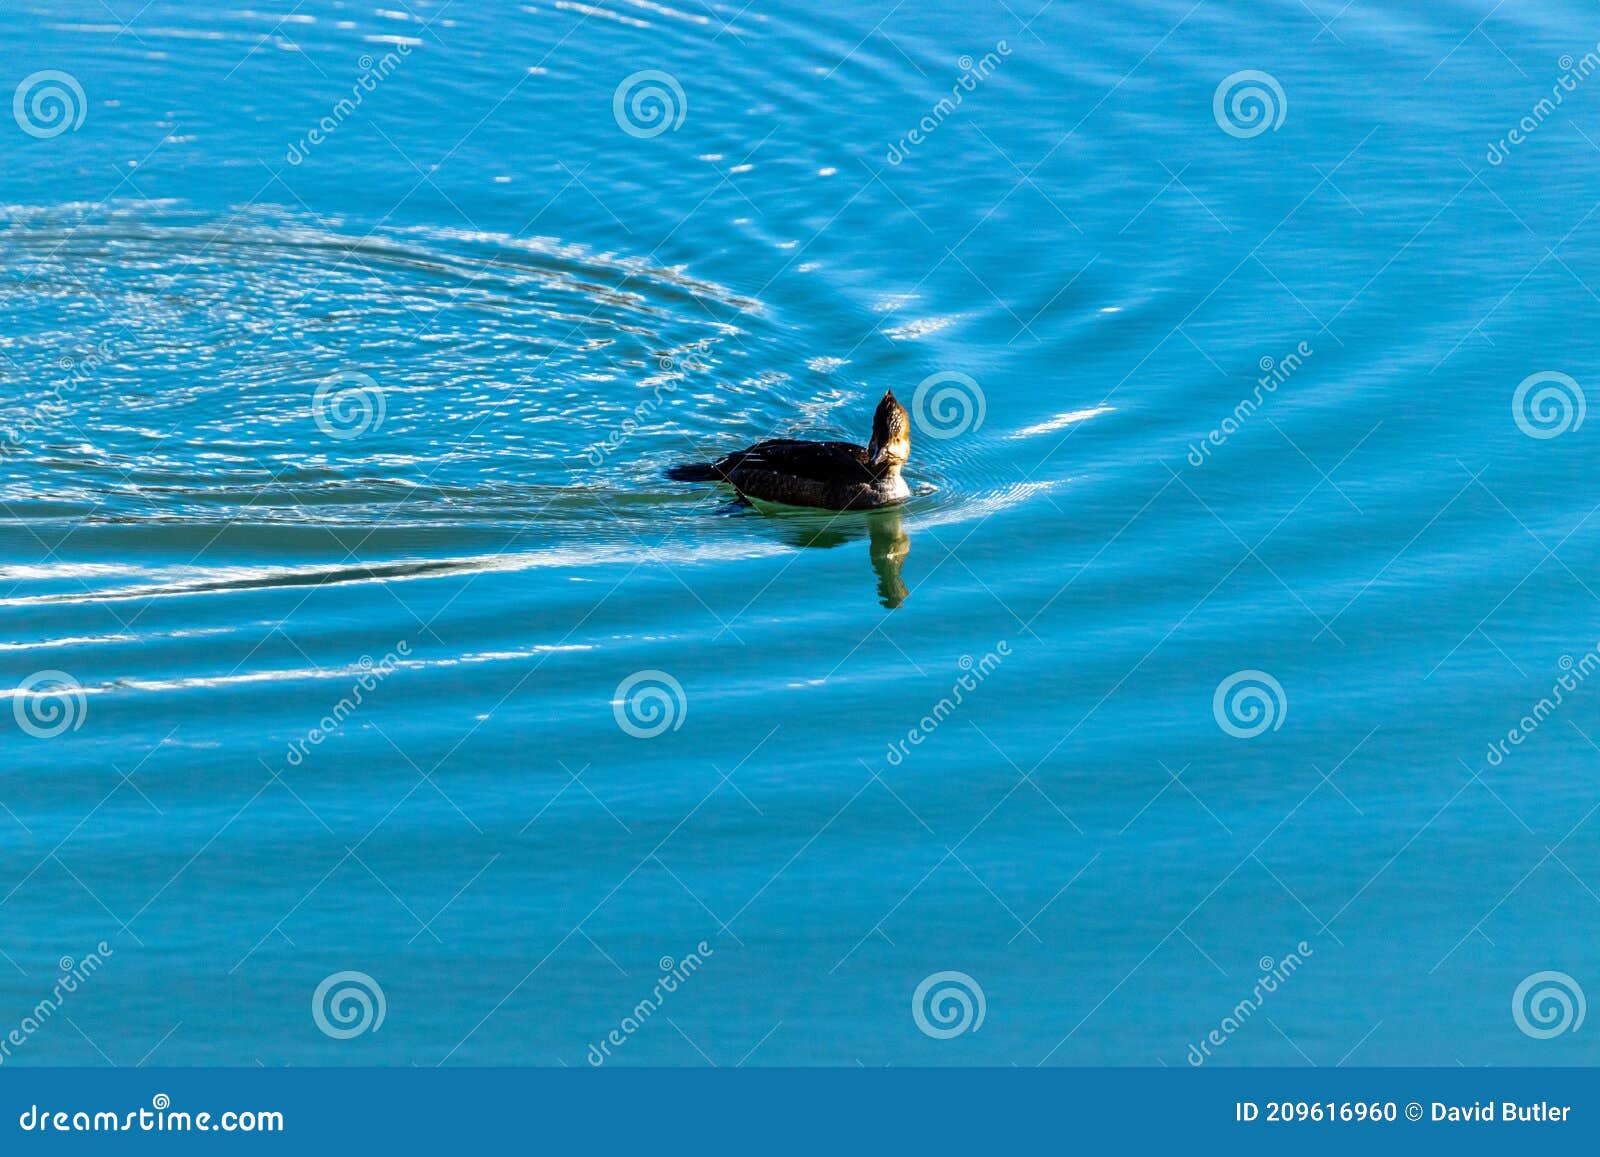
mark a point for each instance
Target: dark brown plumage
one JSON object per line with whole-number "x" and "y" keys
{"x": 830, "y": 475}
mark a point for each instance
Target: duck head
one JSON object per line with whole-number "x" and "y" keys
{"x": 890, "y": 447}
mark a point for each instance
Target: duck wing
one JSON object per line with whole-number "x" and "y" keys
{"x": 830, "y": 462}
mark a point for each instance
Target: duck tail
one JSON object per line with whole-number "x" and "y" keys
{"x": 694, "y": 472}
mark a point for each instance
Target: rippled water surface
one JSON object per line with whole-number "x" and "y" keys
{"x": 360, "y": 657}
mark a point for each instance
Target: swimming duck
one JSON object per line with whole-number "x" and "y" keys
{"x": 830, "y": 475}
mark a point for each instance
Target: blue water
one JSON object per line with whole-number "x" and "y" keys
{"x": 435, "y": 679}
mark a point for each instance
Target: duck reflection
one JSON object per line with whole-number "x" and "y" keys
{"x": 888, "y": 542}
{"x": 889, "y": 546}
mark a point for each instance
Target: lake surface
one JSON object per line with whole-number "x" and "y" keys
{"x": 372, "y": 698}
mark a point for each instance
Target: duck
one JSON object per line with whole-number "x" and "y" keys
{"x": 824, "y": 475}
